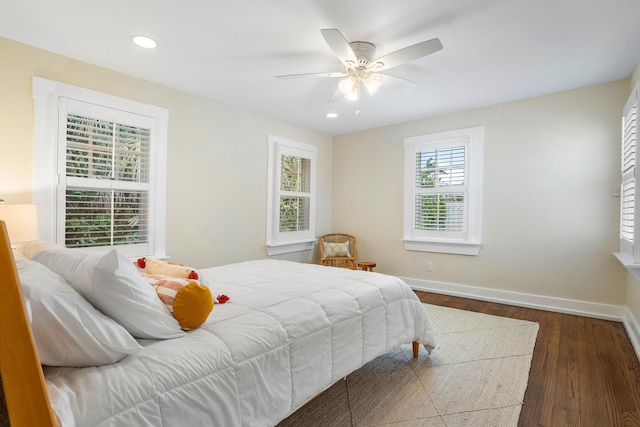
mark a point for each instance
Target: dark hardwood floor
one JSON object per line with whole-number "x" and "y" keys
{"x": 584, "y": 371}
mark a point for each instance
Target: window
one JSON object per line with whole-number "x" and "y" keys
{"x": 99, "y": 170}
{"x": 629, "y": 168}
{"x": 290, "y": 196}
{"x": 443, "y": 192}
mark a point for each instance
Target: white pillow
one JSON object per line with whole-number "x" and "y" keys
{"x": 69, "y": 331}
{"x": 335, "y": 249}
{"x": 113, "y": 285}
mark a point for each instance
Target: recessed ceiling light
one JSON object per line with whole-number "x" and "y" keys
{"x": 331, "y": 115}
{"x": 145, "y": 41}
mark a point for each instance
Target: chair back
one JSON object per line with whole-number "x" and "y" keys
{"x": 338, "y": 250}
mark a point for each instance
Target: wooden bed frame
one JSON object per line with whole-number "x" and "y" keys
{"x": 25, "y": 391}
{"x": 24, "y": 386}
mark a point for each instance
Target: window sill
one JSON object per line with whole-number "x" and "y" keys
{"x": 285, "y": 248}
{"x": 626, "y": 260}
{"x": 445, "y": 247}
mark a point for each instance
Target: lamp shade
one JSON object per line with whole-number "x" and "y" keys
{"x": 21, "y": 221}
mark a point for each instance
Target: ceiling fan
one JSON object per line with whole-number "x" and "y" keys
{"x": 361, "y": 69}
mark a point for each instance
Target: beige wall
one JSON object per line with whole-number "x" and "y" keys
{"x": 217, "y": 169}
{"x": 633, "y": 297}
{"x": 550, "y": 221}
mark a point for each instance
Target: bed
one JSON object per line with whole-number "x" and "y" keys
{"x": 288, "y": 332}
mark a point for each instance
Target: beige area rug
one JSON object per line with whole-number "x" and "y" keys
{"x": 476, "y": 376}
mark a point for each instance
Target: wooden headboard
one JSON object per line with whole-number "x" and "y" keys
{"x": 24, "y": 387}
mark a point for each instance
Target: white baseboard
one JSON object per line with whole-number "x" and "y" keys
{"x": 540, "y": 302}
{"x": 633, "y": 330}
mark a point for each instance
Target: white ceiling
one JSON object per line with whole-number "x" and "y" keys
{"x": 231, "y": 51}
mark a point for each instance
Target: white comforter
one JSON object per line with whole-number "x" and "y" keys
{"x": 288, "y": 332}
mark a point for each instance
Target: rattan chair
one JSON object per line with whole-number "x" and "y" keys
{"x": 338, "y": 250}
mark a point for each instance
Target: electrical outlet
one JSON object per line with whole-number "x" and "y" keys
{"x": 429, "y": 266}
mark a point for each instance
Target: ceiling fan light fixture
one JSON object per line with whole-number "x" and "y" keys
{"x": 372, "y": 84}
{"x": 346, "y": 86}
{"x": 353, "y": 95}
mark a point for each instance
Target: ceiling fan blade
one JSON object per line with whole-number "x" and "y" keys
{"x": 339, "y": 45}
{"x": 396, "y": 83}
{"x": 295, "y": 76}
{"x": 407, "y": 54}
{"x": 336, "y": 96}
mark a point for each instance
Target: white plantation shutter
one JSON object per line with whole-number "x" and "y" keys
{"x": 440, "y": 190}
{"x": 105, "y": 179}
{"x": 290, "y": 196}
{"x": 100, "y": 167}
{"x": 443, "y": 192}
{"x": 105, "y": 149}
{"x": 629, "y": 168}
{"x": 295, "y": 193}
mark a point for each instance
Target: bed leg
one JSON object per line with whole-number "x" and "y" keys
{"x": 416, "y": 349}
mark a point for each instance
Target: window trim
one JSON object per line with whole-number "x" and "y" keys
{"x": 470, "y": 244}
{"x": 628, "y": 253}
{"x": 276, "y": 242}
{"x": 46, "y": 95}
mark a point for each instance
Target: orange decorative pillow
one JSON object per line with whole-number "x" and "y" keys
{"x": 156, "y": 266}
{"x": 187, "y": 300}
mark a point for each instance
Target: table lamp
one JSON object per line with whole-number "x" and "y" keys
{"x": 21, "y": 221}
